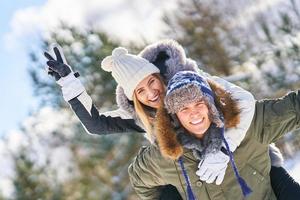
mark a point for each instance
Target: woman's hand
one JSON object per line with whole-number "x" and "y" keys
{"x": 63, "y": 74}
{"x": 58, "y": 67}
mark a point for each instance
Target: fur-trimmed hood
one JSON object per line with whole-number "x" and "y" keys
{"x": 171, "y": 136}
{"x": 169, "y": 57}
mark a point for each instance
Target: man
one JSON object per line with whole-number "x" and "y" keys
{"x": 199, "y": 124}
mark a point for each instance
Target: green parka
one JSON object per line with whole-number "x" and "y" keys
{"x": 272, "y": 119}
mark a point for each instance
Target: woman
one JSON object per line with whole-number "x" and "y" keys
{"x": 168, "y": 57}
{"x": 196, "y": 119}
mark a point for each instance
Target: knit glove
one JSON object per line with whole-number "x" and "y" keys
{"x": 213, "y": 167}
{"x": 63, "y": 74}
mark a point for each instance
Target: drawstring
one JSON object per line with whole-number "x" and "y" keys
{"x": 191, "y": 195}
{"x": 245, "y": 188}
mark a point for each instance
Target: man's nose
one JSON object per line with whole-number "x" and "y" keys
{"x": 195, "y": 112}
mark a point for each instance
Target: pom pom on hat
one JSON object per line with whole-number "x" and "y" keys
{"x": 108, "y": 62}
{"x": 119, "y": 51}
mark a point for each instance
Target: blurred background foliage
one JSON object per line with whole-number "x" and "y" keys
{"x": 262, "y": 57}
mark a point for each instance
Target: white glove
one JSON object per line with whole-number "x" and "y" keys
{"x": 71, "y": 87}
{"x": 63, "y": 73}
{"x": 213, "y": 167}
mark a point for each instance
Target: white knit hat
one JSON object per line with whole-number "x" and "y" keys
{"x": 127, "y": 69}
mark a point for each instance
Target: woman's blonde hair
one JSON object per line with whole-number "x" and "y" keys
{"x": 144, "y": 115}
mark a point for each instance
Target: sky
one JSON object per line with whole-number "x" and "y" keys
{"x": 17, "y": 97}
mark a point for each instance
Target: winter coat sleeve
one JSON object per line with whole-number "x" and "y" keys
{"x": 144, "y": 175}
{"x": 276, "y": 117}
{"x": 246, "y": 102}
{"x": 117, "y": 121}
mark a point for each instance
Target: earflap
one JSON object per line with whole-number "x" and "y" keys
{"x": 166, "y": 136}
{"x": 227, "y": 104}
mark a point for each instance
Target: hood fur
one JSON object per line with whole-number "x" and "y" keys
{"x": 169, "y": 57}
{"x": 176, "y": 60}
{"x": 167, "y": 135}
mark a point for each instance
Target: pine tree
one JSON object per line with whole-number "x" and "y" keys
{"x": 84, "y": 49}
{"x": 199, "y": 28}
{"x": 281, "y": 38}
{"x": 29, "y": 182}
{"x": 101, "y": 161}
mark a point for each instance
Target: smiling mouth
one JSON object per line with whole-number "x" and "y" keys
{"x": 197, "y": 122}
{"x": 154, "y": 99}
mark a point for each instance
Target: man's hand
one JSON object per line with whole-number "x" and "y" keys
{"x": 213, "y": 167}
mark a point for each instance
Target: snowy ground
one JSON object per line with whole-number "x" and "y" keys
{"x": 293, "y": 167}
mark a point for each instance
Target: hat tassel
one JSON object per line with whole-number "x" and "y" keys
{"x": 191, "y": 195}
{"x": 244, "y": 187}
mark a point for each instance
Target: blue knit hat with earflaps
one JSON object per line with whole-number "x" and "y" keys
{"x": 186, "y": 87}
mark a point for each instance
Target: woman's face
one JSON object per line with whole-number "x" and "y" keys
{"x": 194, "y": 118}
{"x": 148, "y": 91}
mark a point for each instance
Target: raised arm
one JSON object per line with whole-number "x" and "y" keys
{"x": 276, "y": 117}
{"x": 117, "y": 121}
{"x": 74, "y": 93}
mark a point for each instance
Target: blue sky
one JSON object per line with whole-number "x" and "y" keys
{"x": 17, "y": 99}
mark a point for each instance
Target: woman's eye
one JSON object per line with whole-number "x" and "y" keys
{"x": 140, "y": 91}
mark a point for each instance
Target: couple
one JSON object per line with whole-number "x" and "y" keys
{"x": 142, "y": 81}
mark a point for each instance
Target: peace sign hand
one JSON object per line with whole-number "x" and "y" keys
{"x": 65, "y": 77}
{"x": 57, "y": 67}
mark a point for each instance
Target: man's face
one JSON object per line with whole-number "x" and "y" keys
{"x": 194, "y": 118}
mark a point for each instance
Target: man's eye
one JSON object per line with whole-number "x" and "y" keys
{"x": 183, "y": 109}
{"x": 200, "y": 104}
